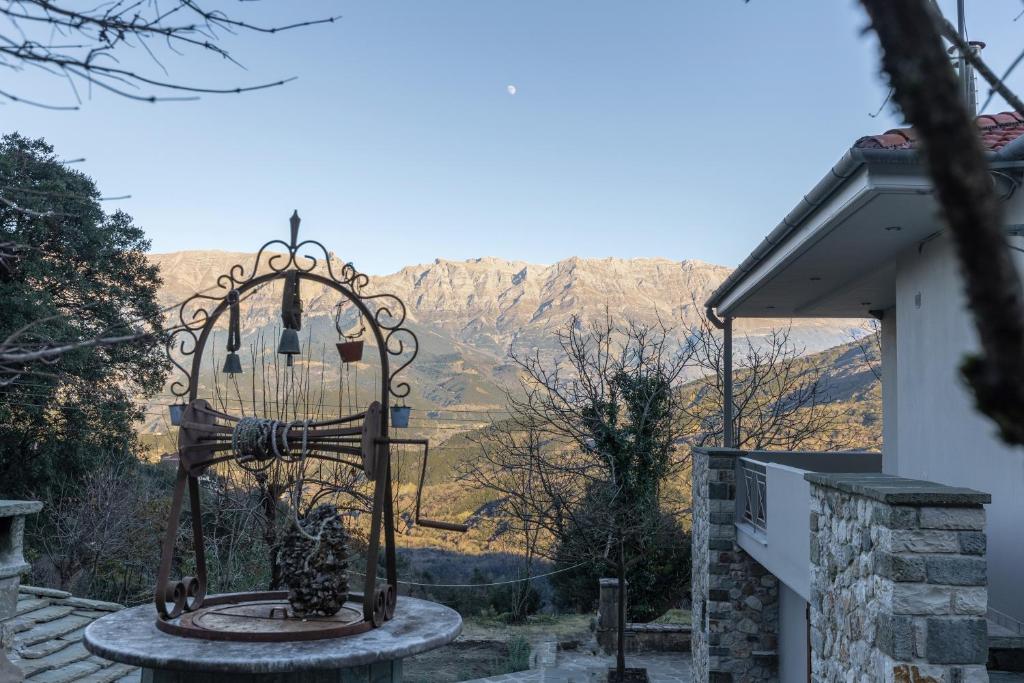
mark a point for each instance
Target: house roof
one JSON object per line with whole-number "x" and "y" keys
{"x": 996, "y": 131}
{"x": 47, "y": 644}
{"x": 882, "y": 157}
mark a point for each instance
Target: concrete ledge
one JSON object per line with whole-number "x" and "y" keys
{"x": 19, "y": 508}
{"x": 893, "y": 490}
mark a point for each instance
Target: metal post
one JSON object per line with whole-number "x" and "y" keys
{"x": 964, "y": 67}
{"x": 728, "y": 427}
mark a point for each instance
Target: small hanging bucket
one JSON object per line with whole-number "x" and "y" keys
{"x": 177, "y": 411}
{"x": 350, "y": 351}
{"x": 400, "y": 416}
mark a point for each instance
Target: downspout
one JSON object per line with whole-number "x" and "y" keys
{"x": 728, "y": 421}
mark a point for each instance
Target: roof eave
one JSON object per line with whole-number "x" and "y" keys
{"x": 845, "y": 169}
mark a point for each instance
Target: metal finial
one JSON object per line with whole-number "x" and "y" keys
{"x": 295, "y": 227}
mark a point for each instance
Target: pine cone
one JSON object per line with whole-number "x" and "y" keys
{"x": 316, "y": 572}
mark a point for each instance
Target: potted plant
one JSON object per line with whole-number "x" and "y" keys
{"x": 351, "y": 351}
{"x": 350, "y": 348}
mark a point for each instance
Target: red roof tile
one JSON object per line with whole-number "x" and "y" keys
{"x": 996, "y": 130}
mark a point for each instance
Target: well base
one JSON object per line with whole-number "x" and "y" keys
{"x": 378, "y": 672}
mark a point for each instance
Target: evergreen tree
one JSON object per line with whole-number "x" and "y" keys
{"x": 78, "y": 273}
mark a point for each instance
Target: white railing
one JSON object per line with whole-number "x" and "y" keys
{"x": 755, "y": 493}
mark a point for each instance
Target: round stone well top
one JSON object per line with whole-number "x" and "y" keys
{"x": 131, "y": 637}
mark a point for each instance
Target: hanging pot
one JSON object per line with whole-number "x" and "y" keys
{"x": 350, "y": 351}
{"x": 177, "y": 411}
{"x": 400, "y": 416}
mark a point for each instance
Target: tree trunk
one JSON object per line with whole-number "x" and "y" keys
{"x": 620, "y": 650}
{"x": 269, "y": 535}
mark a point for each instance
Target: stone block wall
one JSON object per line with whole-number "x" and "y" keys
{"x": 735, "y": 599}
{"x": 898, "y": 580}
{"x": 639, "y": 637}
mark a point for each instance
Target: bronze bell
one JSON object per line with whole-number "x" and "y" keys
{"x": 232, "y": 364}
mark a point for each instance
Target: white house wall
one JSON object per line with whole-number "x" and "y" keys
{"x": 938, "y": 434}
{"x": 890, "y": 391}
{"x": 792, "y": 635}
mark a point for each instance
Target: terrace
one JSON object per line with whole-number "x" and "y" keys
{"x": 773, "y": 500}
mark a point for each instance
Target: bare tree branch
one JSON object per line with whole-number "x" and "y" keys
{"x": 88, "y": 42}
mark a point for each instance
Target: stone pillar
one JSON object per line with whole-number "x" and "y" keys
{"x": 12, "y": 566}
{"x": 898, "y": 580}
{"x": 735, "y": 599}
{"x": 608, "y": 614}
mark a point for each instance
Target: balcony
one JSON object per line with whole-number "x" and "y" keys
{"x": 773, "y": 506}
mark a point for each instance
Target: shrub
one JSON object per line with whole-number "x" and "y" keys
{"x": 657, "y": 581}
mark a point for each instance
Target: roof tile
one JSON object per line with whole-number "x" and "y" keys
{"x": 996, "y": 131}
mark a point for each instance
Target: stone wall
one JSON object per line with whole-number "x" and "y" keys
{"x": 735, "y": 599}
{"x": 639, "y": 637}
{"x": 898, "y": 580}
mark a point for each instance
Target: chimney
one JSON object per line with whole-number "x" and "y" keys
{"x": 12, "y": 560}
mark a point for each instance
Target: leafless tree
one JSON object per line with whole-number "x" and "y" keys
{"x": 869, "y": 341}
{"x": 265, "y": 498}
{"x": 927, "y": 90}
{"x": 88, "y": 46}
{"x": 595, "y": 430}
{"x": 781, "y": 396}
{"x": 94, "y": 531}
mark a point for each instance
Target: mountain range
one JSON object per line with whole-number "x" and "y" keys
{"x": 468, "y": 315}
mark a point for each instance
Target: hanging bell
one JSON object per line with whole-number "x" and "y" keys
{"x": 177, "y": 411}
{"x": 289, "y": 342}
{"x": 232, "y": 364}
{"x": 291, "y": 312}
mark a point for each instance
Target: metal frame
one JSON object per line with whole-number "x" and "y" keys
{"x": 200, "y": 436}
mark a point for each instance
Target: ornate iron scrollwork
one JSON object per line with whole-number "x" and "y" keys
{"x": 383, "y": 311}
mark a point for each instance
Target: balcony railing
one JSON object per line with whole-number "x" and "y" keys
{"x": 773, "y": 505}
{"x": 755, "y": 493}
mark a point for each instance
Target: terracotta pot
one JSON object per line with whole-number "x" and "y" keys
{"x": 350, "y": 351}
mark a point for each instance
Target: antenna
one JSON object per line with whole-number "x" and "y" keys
{"x": 968, "y": 86}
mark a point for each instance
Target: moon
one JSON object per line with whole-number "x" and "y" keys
{"x": 511, "y": 89}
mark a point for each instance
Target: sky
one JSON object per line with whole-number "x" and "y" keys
{"x": 682, "y": 129}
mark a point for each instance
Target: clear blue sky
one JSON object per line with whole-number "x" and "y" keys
{"x": 679, "y": 129}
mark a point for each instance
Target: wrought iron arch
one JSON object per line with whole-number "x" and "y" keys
{"x": 204, "y": 432}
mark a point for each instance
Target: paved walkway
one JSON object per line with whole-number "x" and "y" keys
{"x": 583, "y": 666}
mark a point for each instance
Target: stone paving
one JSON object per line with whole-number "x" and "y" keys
{"x": 586, "y": 666}
{"x": 47, "y": 629}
